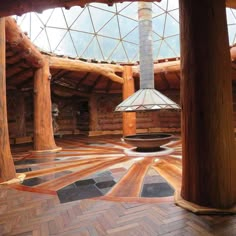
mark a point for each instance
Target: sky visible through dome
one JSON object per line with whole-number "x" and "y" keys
{"x": 105, "y": 33}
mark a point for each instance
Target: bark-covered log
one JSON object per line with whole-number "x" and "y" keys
{"x": 21, "y": 44}
{"x": 106, "y": 70}
{"x": 209, "y": 163}
{"x": 162, "y": 67}
{"x": 129, "y": 118}
{"x": 7, "y": 169}
{"x": 19, "y": 7}
{"x": 43, "y": 131}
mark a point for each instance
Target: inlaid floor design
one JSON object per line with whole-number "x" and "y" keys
{"x": 37, "y": 211}
{"x": 98, "y": 167}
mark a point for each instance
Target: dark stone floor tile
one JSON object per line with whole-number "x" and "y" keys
{"x": 26, "y": 161}
{"x": 70, "y": 186}
{"x": 157, "y": 190}
{"x": 81, "y": 192}
{"x": 23, "y": 170}
{"x": 84, "y": 182}
{"x": 103, "y": 178}
{"x": 33, "y": 181}
{"x": 105, "y": 184}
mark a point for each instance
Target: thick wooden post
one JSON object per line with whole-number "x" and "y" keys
{"x": 209, "y": 158}
{"x": 129, "y": 118}
{"x": 7, "y": 169}
{"x": 43, "y": 130}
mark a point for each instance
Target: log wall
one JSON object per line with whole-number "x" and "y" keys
{"x": 75, "y": 117}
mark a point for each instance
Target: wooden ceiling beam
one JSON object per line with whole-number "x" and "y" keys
{"x": 231, "y": 3}
{"x": 19, "y": 7}
{"x": 98, "y": 79}
{"x": 65, "y": 91}
{"x": 20, "y": 77}
{"x": 21, "y": 44}
{"x": 107, "y": 70}
{"x": 170, "y": 66}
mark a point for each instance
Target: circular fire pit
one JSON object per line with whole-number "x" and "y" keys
{"x": 149, "y": 142}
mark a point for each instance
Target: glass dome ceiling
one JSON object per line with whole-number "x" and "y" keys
{"x": 105, "y": 33}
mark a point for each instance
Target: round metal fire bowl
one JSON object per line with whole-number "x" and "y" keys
{"x": 149, "y": 141}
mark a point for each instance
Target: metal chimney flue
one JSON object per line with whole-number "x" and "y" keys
{"x": 146, "y": 98}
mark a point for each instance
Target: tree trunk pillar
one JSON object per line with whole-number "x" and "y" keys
{"x": 43, "y": 130}
{"x": 7, "y": 169}
{"x": 209, "y": 163}
{"x": 129, "y": 118}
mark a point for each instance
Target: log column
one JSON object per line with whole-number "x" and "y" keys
{"x": 43, "y": 130}
{"x": 209, "y": 163}
{"x": 7, "y": 169}
{"x": 129, "y": 118}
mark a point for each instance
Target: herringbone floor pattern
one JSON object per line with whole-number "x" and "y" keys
{"x": 25, "y": 213}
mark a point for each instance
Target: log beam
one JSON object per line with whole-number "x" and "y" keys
{"x": 129, "y": 118}
{"x": 19, "y": 7}
{"x": 21, "y": 44}
{"x": 7, "y": 169}
{"x": 231, "y": 3}
{"x": 107, "y": 70}
{"x": 209, "y": 163}
{"x": 43, "y": 130}
{"x": 162, "y": 67}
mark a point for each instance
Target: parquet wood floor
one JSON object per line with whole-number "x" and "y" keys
{"x": 38, "y": 211}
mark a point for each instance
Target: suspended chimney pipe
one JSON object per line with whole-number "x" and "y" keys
{"x": 146, "y": 98}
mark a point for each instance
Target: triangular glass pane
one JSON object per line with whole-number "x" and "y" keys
{"x": 156, "y": 49}
{"x": 133, "y": 36}
{"x": 174, "y": 14}
{"x": 81, "y": 40}
{"x": 54, "y": 41}
{"x": 42, "y": 41}
{"x": 24, "y": 22}
{"x": 156, "y": 10}
{"x": 36, "y": 26}
{"x": 119, "y": 54}
{"x": 230, "y": 16}
{"x": 99, "y": 17}
{"x": 131, "y": 11}
{"x": 66, "y": 47}
{"x": 20, "y": 19}
{"x": 172, "y": 5}
{"x": 131, "y": 50}
{"x": 83, "y": 22}
{"x": 72, "y": 14}
{"x": 111, "y": 29}
{"x": 93, "y": 51}
{"x": 174, "y": 43}
{"x": 44, "y": 17}
{"x": 232, "y": 34}
{"x": 171, "y": 27}
{"x": 155, "y": 36}
{"x": 136, "y": 57}
{"x": 121, "y": 6}
{"x": 57, "y": 19}
{"x": 104, "y": 7}
{"x": 158, "y": 24}
{"x": 163, "y": 4}
{"x": 126, "y": 25}
{"x": 165, "y": 51}
{"x": 107, "y": 45}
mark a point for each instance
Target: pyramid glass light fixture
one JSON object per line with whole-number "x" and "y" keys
{"x": 147, "y": 97}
